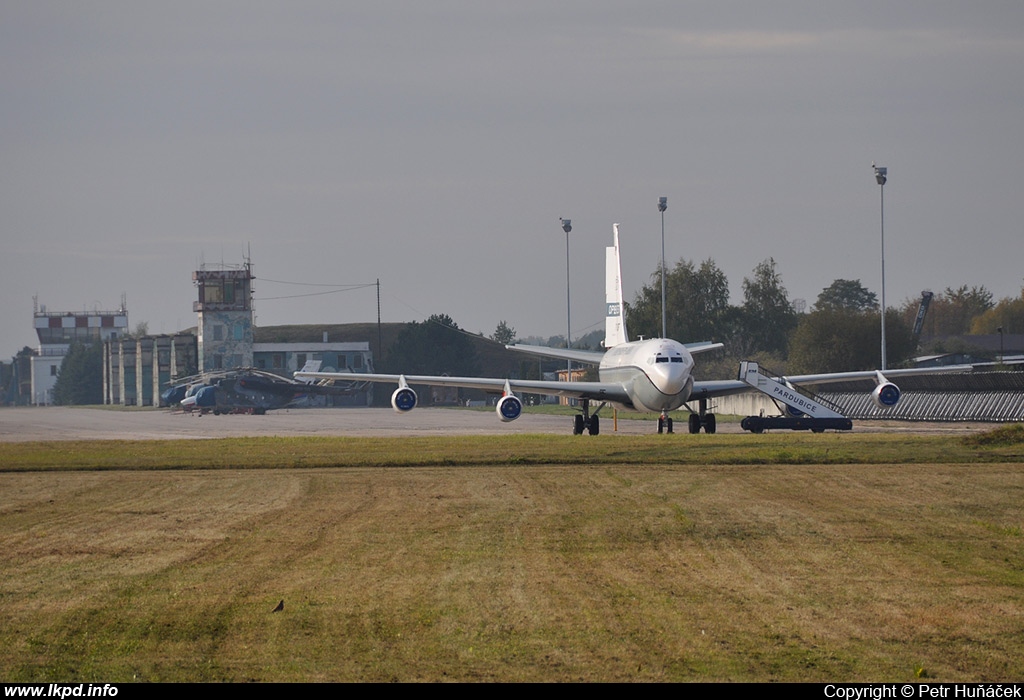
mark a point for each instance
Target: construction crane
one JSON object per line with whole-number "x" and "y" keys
{"x": 926, "y": 299}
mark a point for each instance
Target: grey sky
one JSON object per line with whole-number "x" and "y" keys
{"x": 435, "y": 145}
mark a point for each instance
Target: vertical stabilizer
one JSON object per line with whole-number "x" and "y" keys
{"x": 615, "y": 318}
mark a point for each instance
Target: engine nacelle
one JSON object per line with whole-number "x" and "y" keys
{"x": 509, "y": 408}
{"x": 403, "y": 400}
{"x": 886, "y": 395}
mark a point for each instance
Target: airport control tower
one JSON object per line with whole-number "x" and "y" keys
{"x": 225, "y": 316}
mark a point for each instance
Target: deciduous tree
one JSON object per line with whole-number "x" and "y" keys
{"x": 1008, "y": 314}
{"x": 849, "y": 295}
{"x": 952, "y": 312}
{"x": 435, "y": 346}
{"x": 842, "y": 340}
{"x": 769, "y": 317}
{"x": 80, "y": 380}
{"x": 697, "y": 303}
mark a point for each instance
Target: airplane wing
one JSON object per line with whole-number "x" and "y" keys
{"x": 802, "y": 379}
{"x": 728, "y": 387}
{"x": 719, "y": 387}
{"x": 595, "y": 391}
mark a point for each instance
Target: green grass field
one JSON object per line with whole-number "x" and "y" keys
{"x": 746, "y": 558}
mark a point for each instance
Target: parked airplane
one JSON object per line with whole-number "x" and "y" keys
{"x": 654, "y": 375}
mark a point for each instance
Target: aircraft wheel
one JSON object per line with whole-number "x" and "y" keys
{"x": 668, "y": 425}
{"x": 694, "y": 424}
{"x": 709, "y": 424}
{"x": 661, "y": 425}
{"x": 577, "y": 425}
{"x": 595, "y": 426}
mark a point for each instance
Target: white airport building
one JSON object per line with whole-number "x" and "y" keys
{"x": 57, "y": 330}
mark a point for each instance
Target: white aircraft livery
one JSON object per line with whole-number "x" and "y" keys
{"x": 653, "y": 375}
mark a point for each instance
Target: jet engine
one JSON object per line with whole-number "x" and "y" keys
{"x": 885, "y": 395}
{"x": 403, "y": 400}
{"x": 509, "y": 408}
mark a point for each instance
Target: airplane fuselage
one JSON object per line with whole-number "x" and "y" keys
{"x": 655, "y": 373}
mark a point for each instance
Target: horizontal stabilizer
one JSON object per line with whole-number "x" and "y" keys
{"x": 702, "y": 346}
{"x": 588, "y": 357}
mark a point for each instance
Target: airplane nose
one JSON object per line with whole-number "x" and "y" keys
{"x": 670, "y": 378}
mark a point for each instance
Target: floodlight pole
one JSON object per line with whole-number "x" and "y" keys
{"x": 567, "y": 227}
{"x": 662, "y": 206}
{"x": 881, "y": 176}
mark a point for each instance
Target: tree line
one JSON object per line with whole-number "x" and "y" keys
{"x": 841, "y": 332}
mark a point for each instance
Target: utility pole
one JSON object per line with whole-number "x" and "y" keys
{"x": 881, "y": 176}
{"x": 567, "y": 227}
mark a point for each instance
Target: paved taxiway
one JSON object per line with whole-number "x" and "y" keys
{"x": 61, "y": 423}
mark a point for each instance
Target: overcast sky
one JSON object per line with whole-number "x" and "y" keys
{"x": 434, "y": 145}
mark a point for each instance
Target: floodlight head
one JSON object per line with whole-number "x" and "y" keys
{"x": 567, "y": 225}
{"x": 880, "y": 174}
{"x": 662, "y": 203}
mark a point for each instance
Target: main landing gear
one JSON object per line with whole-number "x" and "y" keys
{"x": 585, "y": 420}
{"x": 702, "y": 419}
{"x": 698, "y": 420}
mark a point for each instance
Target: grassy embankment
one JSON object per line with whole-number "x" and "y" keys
{"x": 778, "y": 557}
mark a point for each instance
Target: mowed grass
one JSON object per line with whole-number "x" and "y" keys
{"x": 1002, "y": 445}
{"x": 747, "y": 558}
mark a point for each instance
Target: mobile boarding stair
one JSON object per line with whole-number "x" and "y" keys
{"x": 800, "y": 409}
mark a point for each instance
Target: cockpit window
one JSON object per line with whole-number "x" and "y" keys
{"x": 661, "y": 359}
{"x": 677, "y": 359}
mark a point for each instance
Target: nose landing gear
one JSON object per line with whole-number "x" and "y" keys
{"x": 664, "y": 423}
